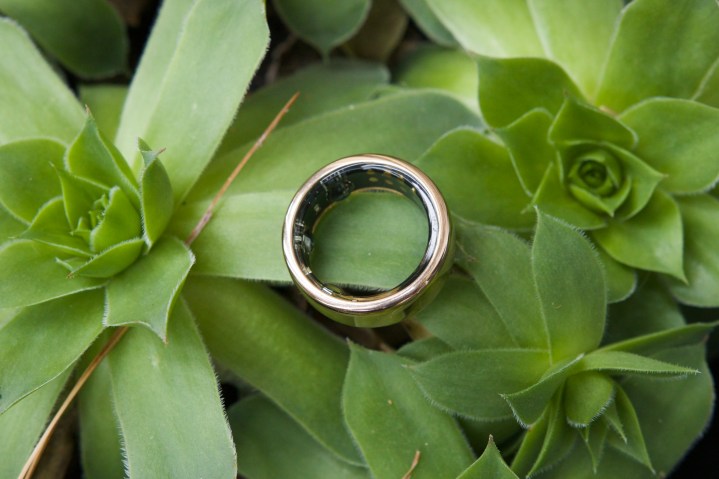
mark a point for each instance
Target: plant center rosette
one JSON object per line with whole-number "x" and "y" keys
{"x": 90, "y": 224}
{"x": 636, "y": 180}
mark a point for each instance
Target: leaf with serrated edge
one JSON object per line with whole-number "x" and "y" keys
{"x": 29, "y": 275}
{"x": 490, "y": 465}
{"x": 445, "y": 382}
{"x": 529, "y": 404}
{"x": 235, "y": 35}
{"x": 105, "y": 101}
{"x": 155, "y": 200}
{"x": 168, "y": 406}
{"x": 50, "y": 227}
{"x": 477, "y": 179}
{"x": 146, "y": 292}
{"x": 233, "y": 317}
{"x": 700, "y": 218}
{"x": 110, "y": 261}
{"x": 496, "y": 27}
{"x": 323, "y": 25}
{"x": 100, "y": 448}
{"x": 381, "y": 403}
{"x": 628, "y": 363}
{"x": 652, "y": 240}
{"x": 635, "y": 445}
{"x": 683, "y": 149}
{"x": 586, "y": 396}
{"x": 512, "y": 87}
{"x": 90, "y": 49}
{"x": 571, "y": 288}
{"x": 27, "y": 176}
{"x": 673, "y": 65}
{"x": 323, "y": 87}
{"x": 21, "y": 426}
{"x": 274, "y": 446}
{"x": 500, "y": 263}
{"x": 462, "y": 316}
{"x": 577, "y": 35}
{"x": 59, "y": 331}
{"x": 36, "y": 103}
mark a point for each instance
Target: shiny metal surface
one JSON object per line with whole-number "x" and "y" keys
{"x": 335, "y": 182}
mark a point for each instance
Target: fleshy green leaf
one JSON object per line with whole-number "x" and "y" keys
{"x": 651, "y": 309}
{"x": 10, "y": 226}
{"x": 50, "y": 227}
{"x": 510, "y": 88}
{"x": 477, "y": 180}
{"x": 644, "y": 180}
{"x": 552, "y": 197}
{"x": 57, "y": 331}
{"x": 470, "y": 383}
{"x": 489, "y": 466}
{"x": 120, "y": 222}
{"x": 500, "y": 263}
{"x": 29, "y": 274}
{"x": 586, "y": 396}
{"x": 708, "y": 91}
{"x": 499, "y": 28}
{"x": 383, "y": 29}
{"x": 595, "y": 438}
{"x": 404, "y": 125}
{"x": 89, "y": 40}
{"x": 530, "y": 446}
{"x": 93, "y": 157}
{"x": 155, "y": 200}
{"x": 462, "y": 316}
{"x": 110, "y": 261}
{"x": 105, "y": 101}
{"x": 146, "y": 292}
{"x": 677, "y": 41}
{"x": 79, "y": 196}
{"x": 577, "y": 120}
{"x": 381, "y": 404}
{"x": 678, "y": 138}
{"x": 234, "y": 316}
{"x": 700, "y": 217}
{"x": 621, "y": 280}
{"x": 666, "y": 339}
{"x": 167, "y": 403}
{"x": 424, "y": 349}
{"x": 275, "y": 446}
{"x": 348, "y": 249}
{"x": 21, "y": 426}
{"x": 571, "y": 288}
{"x": 323, "y": 87}
{"x": 577, "y": 35}
{"x": 651, "y": 240}
{"x": 669, "y": 431}
{"x": 529, "y": 147}
{"x": 247, "y": 225}
{"x": 428, "y": 22}
{"x": 323, "y": 24}
{"x": 219, "y": 46}
{"x": 529, "y": 404}
{"x": 622, "y": 362}
{"x": 36, "y": 103}
{"x": 635, "y": 445}
{"x": 558, "y": 440}
{"x": 100, "y": 447}
{"x": 27, "y": 176}
{"x": 451, "y": 71}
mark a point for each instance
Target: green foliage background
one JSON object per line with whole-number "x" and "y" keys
{"x": 576, "y": 143}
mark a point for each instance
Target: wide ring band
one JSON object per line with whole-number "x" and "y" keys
{"x": 335, "y": 182}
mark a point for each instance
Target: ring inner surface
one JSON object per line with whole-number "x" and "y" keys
{"x": 337, "y": 186}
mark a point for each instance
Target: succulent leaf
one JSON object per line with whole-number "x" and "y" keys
{"x": 490, "y": 465}
{"x": 586, "y": 396}
{"x": 156, "y": 202}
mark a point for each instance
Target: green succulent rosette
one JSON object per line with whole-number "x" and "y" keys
{"x": 610, "y": 122}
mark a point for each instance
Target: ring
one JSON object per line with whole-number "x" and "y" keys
{"x": 335, "y": 182}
